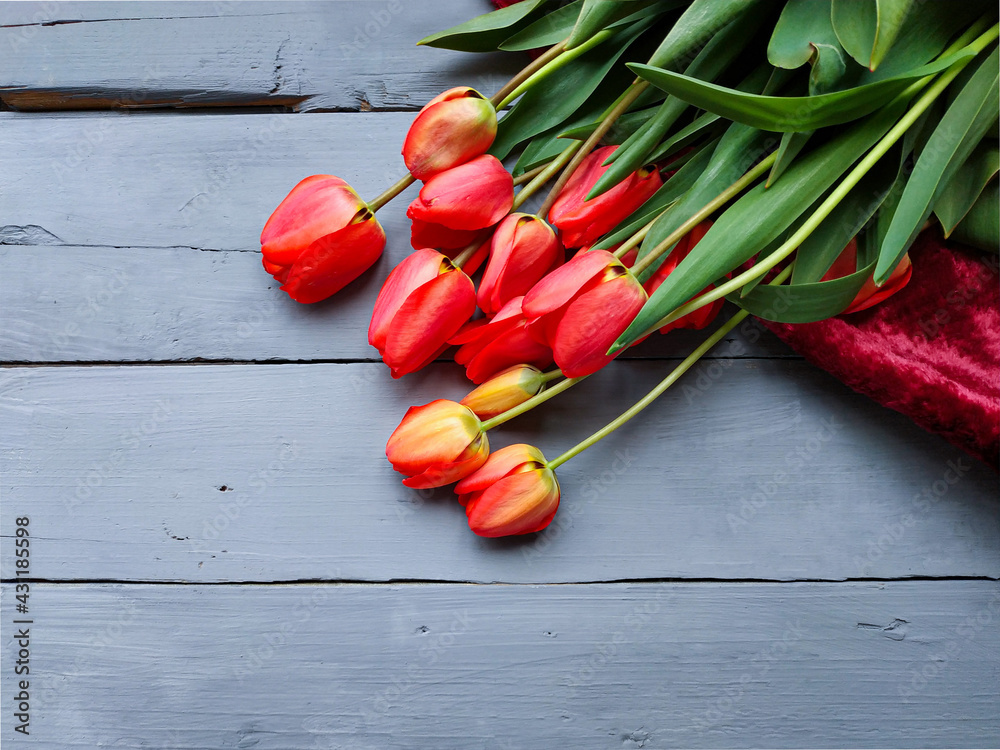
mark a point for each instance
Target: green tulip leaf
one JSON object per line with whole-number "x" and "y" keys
{"x": 963, "y": 125}
{"x": 754, "y": 220}
{"x": 486, "y": 32}
{"x": 828, "y": 69}
{"x": 698, "y": 23}
{"x": 868, "y": 29}
{"x": 791, "y": 144}
{"x": 964, "y": 189}
{"x": 802, "y": 23}
{"x": 550, "y": 29}
{"x": 789, "y": 113}
{"x": 803, "y": 303}
{"x": 597, "y": 15}
{"x": 685, "y": 136}
{"x": 981, "y": 226}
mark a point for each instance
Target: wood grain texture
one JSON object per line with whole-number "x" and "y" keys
{"x": 761, "y": 469}
{"x": 99, "y": 304}
{"x": 341, "y": 55}
{"x": 311, "y": 667}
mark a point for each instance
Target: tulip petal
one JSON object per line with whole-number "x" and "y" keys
{"x": 428, "y": 318}
{"x": 473, "y": 195}
{"x": 517, "y": 504}
{"x": 317, "y": 206}
{"x": 334, "y": 260}
{"x": 514, "y": 347}
{"x": 414, "y": 271}
{"x": 441, "y": 474}
{"x": 592, "y": 322}
{"x": 500, "y": 463}
{"x": 563, "y": 284}
{"x": 428, "y": 432}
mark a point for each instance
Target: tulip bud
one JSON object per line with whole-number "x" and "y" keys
{"x": 474, "y": 195}
{"x": 437, "y": 444}
{"x": 451, "y": 129}
{"x": 696, "y": 319}
{"x": 524, "y": 248}
{"x": 487, "y": 347}
{"x": 423, "y": 303}
{"x": 869, "y": 295}
{"x": 320, "y": 238}
{"x": 513, "y": 493}
{"x": 581, "y": 308}
{"x": 505, "y": 390}
{"x": 581, "y": 222}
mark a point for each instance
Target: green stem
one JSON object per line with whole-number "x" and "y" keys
{"x": 668, "y": 381}
{"x": 531, "y": 403}
{"x": 551, "y": 375}
{"x": 537, "y": 64}
{"x": 711, "y": 207}
{"x": 639, "y": 236}
{"x": 467, "y": 252}
{"x": 841, "y": 191}
{"x": 530, "y": 174}
{"x": 544, "y": 176}
{"x": 610, "y": 117}
{"x": 395, "y": 189}
{"x": 548, "y": 67}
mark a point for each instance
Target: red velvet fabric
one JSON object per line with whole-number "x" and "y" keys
{"x": 931, "y": 351}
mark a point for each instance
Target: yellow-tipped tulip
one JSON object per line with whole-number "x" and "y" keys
{"x": 505, "y": 390}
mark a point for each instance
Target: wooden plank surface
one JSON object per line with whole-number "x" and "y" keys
{"x": 343, "y": 55}
{"x": 501, "y": 667}
{"x": 755, "y": 469}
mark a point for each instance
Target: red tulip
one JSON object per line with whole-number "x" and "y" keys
{"x": 581, "y": 308}
{"x": 437, "y": 444}
{"x": 487, "y": 347}
{"x": 696, "y": 319}
{"x": 451, "y": 129}
{"x": 474, "y": 195}
{"x": 869, "y": 294}
{"x": 505, "y": 390}
{"x": 523, "y": 250}
{"x": 513, "y": 493}
{"x": 320, "y": 238}
{"x": 422, "y": 304}
{"x": 581, "y": 222}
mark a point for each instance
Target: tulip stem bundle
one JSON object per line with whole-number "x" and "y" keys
{"x": 661, "y": 179}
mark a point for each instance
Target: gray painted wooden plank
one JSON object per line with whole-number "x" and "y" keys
{"x": 760, "y": 469}
{"x": 345, "y": 54}
{"x": 310, "y": 667}
{"x": 209, "y": 182}
{"x": 78, "y": 304}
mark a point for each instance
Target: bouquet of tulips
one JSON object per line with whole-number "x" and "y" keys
{"x": 781, "y": 155}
